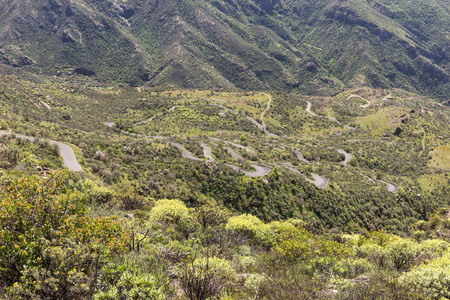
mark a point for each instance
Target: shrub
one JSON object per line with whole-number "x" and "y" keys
{"x": 374, "y": 253}
{"x": 206, "y": 278}
{"x": 101, "y": 195}
{"x": 255, "y": 283}
{"x": 133, "y": 286}
{"x": 131, "y": 201}
{"x": 294, "y": 244}
{"x": 210, "y": 215}
{"x": 50, "y": 248}
{"x": 248, "y": 225}
{"x": 434, "y": 248}
{"x": 432, "y": 279}
{"x": 169, "y": 212}
{"x": 352, "y": 267}
{"x": 403, "y": 252}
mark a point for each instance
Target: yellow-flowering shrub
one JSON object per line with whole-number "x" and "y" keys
{"x": 431, "y": 279}
{"x": 403, "y": 252}
{"x": 434, "y": 248}
{"x": 169, "y": 211}
{"x": 248, "y": 225}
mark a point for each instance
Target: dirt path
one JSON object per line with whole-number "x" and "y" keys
{"x": 358, "y": 96}
{"x": 67, "y": 154}
{"x": 157, "y": 115}
{"x": 260, "y": 126}
{"x": 267, "y": 108}
{"x": 263, "y": 114}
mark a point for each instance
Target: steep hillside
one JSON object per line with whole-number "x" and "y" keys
{"x": 315, "y": 47}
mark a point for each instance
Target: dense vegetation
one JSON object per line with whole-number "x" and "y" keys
{"x": 143, "y": 221}
{"x": 53, "y": 248}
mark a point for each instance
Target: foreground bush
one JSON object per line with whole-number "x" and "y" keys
{"x": 206, "y": 277}
{"x": 50, "y": 248}
{"x": 432, "y": 279}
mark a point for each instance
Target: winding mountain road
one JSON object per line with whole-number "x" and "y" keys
{"x": 259, "y": 170}
{"x": 260, "y": 126}
{"x": 207, "y": 152}
{"x": 358, "y": 96}
{"x": 308, "y": 110}
{"x": 67, "y": 154}
{"x": 301, "y": 157}
{"x": 234, "y": 144}
{"x": 390, "y": 186}
{"x": 234, "y": 154}
{"x": 184, "y": 152}
{"x": 317, "y": 180}
{"x": 348, "y": 157}
{"x": 157, "y": 115}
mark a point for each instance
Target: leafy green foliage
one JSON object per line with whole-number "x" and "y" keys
{"x": 431, "y": 278}
{"x": 49, "y": 247}
{"x": 169, "y": 212}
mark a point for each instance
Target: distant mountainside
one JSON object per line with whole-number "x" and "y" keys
{"x": 314, "y": 46}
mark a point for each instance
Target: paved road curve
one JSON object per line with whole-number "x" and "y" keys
{"x": 185, "y": 153}
{"x": 318, "y": 181}
{"x": 308, "y": 110}
{"x": 390, "y": 186}
{"x": 301, "y": 157}
{"x": 348, "y": 157}
{"x": 259, "y": 170}
{"x": 358, "y": 96}
{"x": 207, "y": 151}
{"x": 70, "y": 161}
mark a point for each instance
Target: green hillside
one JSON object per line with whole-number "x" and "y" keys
{"x": 315, "y": 47}
{"x": 390, "y": 136}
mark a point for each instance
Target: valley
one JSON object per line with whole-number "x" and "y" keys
{"x": 224, "y": 149}
{"x": 266, "y": 171}
{"x": 317, "y": 149}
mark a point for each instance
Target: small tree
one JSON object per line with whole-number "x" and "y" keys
{"x": 403, "y": 252}
{"x": 211, "y": 216}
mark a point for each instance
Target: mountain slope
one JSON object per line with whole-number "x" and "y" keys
{"x": 316, "y": 46}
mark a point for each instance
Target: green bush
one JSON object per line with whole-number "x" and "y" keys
{"x": 132, "y": 286}
{"x": 431, "y": 279}
{"x": 247, "y": 225}
{"x": 101, "y": 195}
{"x": 403, "y": 252}
{"x": 206, "y": 277}
{"x": 49, "y": 247}
{"x": 169, "y": 212}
